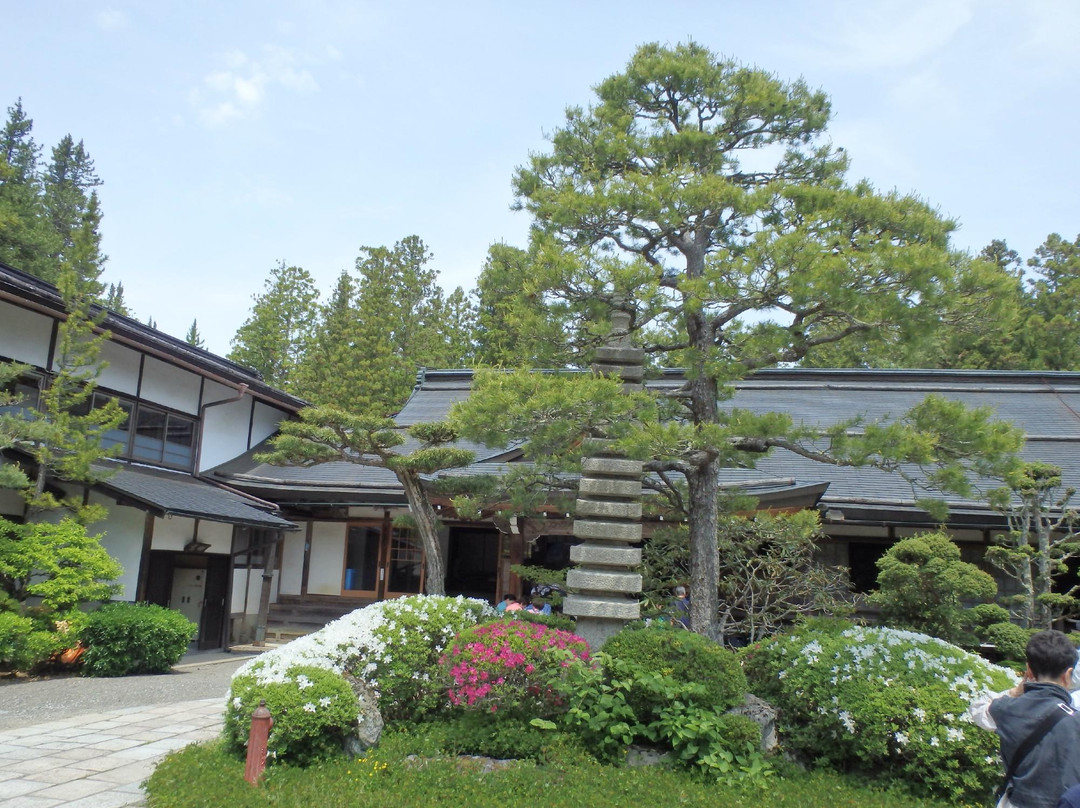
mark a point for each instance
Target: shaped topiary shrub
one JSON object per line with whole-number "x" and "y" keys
{"x": 685, "y": 657}
{"x": 394, "y": 646}
{"x": 889, "y": 703}
{"x": 1010, "y": 640}
{"x": 510, "y": 665}
{"x": 314, "y": 710}
{"x": 131, "y": 638}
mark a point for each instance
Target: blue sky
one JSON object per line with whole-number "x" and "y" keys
{"x": 232, "y": 135}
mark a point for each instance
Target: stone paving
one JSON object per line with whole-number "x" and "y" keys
{"x": 98, "y": 760}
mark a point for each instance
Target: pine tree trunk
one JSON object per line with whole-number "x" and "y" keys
{"x": 424, "y": 516}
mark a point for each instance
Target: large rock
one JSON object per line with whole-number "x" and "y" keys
{"x": 764, "y": 715}
{"x": 370, "y": 720}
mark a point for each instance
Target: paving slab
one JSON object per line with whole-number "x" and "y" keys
{"x": 58, "y": 750}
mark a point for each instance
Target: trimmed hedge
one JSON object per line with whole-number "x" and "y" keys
{"x": 685, "y": 657}
{"x": 132, "y": 638}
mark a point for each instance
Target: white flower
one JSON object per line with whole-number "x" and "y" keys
{"x": 309, "y": 707}
{"x": 934, "y": 741}
{"x": 325, "y": 701}
{"x": 236, "y": 702}
{"x": 954, "y": 734}
{"x": 901, "y": 738}
{"x": 847, "y": 721}
{"x": 919, "y": 713}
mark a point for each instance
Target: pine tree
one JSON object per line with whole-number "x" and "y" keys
{"x": 274, "y": 338}
{"x": 26, "y": 240}
{"x": 72, "y": 209}
{"x": 193, "y": 337}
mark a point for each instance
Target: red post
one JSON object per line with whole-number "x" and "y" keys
{"x": 261, "y": 721}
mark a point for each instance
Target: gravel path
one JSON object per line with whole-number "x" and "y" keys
{"x": 198, "y": 676}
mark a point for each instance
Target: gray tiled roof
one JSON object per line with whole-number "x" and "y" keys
{"x": 180, "y": 494}
{"x": 1045, "y": 405}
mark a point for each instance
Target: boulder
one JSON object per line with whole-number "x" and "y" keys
{"x": 369, "y": 721}
{"x": 764, "y": 715}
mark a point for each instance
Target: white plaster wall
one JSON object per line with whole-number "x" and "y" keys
{"x": 172, "y": 533}
{"x": 239, "y": 589}
{"x": 253, "y": 584}
{"x": 122, "y": 374}
{"x": 122, "y": 538}
{"x": 218, "y": 535}
{"x": 265, "y": 423}
{"x": 170, "y": 386}
{"x": 292, "y": 561}
{"x": 327, "y": 558}
{"x": 224, "y": 432}
{"x": 25, "y": 335}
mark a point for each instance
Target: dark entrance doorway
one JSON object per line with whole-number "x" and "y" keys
{"x": 472, "y": 562}
{"x": 196, "y": 585}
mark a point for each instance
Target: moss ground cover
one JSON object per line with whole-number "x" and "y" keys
{"x": 205, "y": 775}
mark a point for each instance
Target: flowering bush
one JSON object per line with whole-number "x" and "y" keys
{"x": 314, "y": 710}
{"x": 884, "y": 701}
{"x": 394, "y": 646}
{"x": 510, "y": 664}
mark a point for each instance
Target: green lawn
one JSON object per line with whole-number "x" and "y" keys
{"x": 202, "y": 776}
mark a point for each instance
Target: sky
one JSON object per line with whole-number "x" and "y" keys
{"x": 231, "y": 136}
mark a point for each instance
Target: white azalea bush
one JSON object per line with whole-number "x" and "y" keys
{"x": 393, "y": 646}
{"x": 314, "y": 710}
{"x": 887, "y": 702}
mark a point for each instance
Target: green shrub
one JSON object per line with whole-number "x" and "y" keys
{"x": 705, "y": 739}
{"x": 1010, "y": 640}
{"x": 499, "y": 735}
{"x": 132, "y": 638}
{"x": 687, "y": 658}
{"x": 984, "y": 615}
{"x": 394, "y": 646}
{"x": 922, "y": 585}
{"x": 510, "y": 665}
{"x": 887, "y": 702}
{"x": 23, "y": 646}
{"x": 313, "y": 711}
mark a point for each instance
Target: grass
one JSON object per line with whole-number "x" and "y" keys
{"x": 200, "y": 776}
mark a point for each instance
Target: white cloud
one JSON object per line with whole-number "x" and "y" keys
{"x": 239, "y": 90}
{"x": 894, "y": 33}
{"x": 111, "y": 19}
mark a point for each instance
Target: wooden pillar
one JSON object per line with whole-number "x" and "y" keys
{"x": 270, "y": 562}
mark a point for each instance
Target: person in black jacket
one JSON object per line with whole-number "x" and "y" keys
{"x": 1052, "y": 765}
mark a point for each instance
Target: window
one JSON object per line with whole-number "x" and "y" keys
{"x": 160, "y": 437}
{"x": 24, "y": 394}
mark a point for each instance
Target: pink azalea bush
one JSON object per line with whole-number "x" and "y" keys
{"x": 510, "y": 665}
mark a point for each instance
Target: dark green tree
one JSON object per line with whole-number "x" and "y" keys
{"x": 26, "y": 240}
{"x": 402, "y": 323}
{"x": 516, "y": 324}
{"x": 1051, "y": 333}
{"x": 114, "y": 299}
{"x": 274, "y": 338}
{"x": 193, "y": 337}
{"x": 335, "y": 367}
{"x": 72, "y": 209}
{"x": 696, "y": 192}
